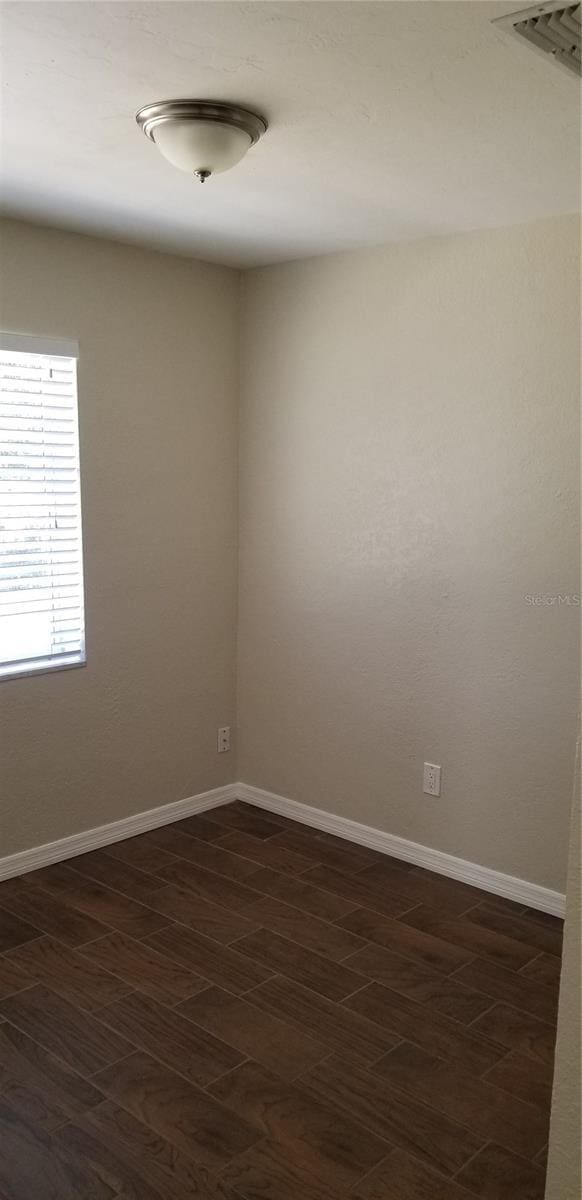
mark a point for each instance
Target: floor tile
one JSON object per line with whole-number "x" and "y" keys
{"x": 210, "y": 919}
{"x": 495, "y": 1174}
{"x": 425, "y": 887}
{"x": 266, "y": 852}
{"x": 122, "y": 877}
{"x": 391, "y": 1114}
{"x": 25, "y": 1063}
{"x": 75, "y": 1036}
{"x": 544, "y": 969}
{"x": 14, "y": 931}
{"x": 177, "y": 1110}
{"x": 274, "y": 1043}
{"x": 207, "y": 885}
{"x": 141, "y": 1158}
{"x": 525, "y": 1077}
{"x": 284, "y": 957}
{"x": 265, "y": 1172}
{"x": 404, "y": 939}
{"x": 340, "y": 856}
{"x": 201, "y": 826}
{"x": 56, "y": 917}
{"x": 216, "y": 856}
{"x": 503, "y": 950}
{"x": 310, "y": 899}
{"x": 401, "y": 1177}
{"x": 143, "y": 969}
{"x": 219, "y": 964}
{"x": 418, "y": 982}
{"x": 336, "y": 1027}
{"x": 518, "y": 1031}
{"x": 246, "y": 819}
{"x": 452, "y": 1090}
{"x": 329, "y": 940}
{"x": 358, "y": 890}
{"x": 140, "y": 853}
{"x": 105, "y": 907}
{"x": 514, "y": 989}
{"x": 319, "y": 1137}
{"x": 548, "y": 941}
{"x": 170, "y": 1037}
{"x": 12, "y": 978}
{"x": 66, "y": 972}
{"x": 33, "y": 1164}
{"x": 430, "y": 1030}
{"x": 186, "y": 846}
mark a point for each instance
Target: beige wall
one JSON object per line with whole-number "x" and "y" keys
{"x": 409, "y": 473}
{"x": 157, "y": 394}
{"x": 409, "y": 467}
{"x": 564, "y": 1180}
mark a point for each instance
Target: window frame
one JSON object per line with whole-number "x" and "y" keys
{"x": 24, "y": 343}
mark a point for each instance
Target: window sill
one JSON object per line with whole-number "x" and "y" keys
{"x": 28, "y": 669}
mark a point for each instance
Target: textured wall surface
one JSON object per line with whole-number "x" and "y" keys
{"x": 565, "y": 1154}
{"x": 157, "y": 393}
{"x": 409, "y": 475}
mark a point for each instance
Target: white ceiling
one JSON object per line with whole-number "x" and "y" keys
{"x": 388, "y": 121}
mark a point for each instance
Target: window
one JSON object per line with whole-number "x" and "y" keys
{"x": 41, "y": 560}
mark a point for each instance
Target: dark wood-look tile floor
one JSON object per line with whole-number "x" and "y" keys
{"x": 236, "y": 1007}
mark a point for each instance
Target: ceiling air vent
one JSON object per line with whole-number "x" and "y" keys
{"x": 552, "y": 28}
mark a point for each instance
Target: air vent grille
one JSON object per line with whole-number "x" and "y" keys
{"x": 552, "y": 28}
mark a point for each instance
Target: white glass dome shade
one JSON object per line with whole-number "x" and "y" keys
{"x": 201, "y": 137}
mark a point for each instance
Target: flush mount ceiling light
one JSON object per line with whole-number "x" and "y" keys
{"x": 201, "y": 137}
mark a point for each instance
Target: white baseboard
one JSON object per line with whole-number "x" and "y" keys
{"x": 520, "y": 890}
{"x": 116, "y": 831}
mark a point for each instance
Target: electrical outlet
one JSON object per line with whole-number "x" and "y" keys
{"x": 431, "y": 780}
{"x": 223, "y": 739}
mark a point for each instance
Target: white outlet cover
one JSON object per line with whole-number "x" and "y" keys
{"x": 431, "y": 781}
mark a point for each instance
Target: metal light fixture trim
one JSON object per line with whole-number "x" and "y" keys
{"x": 152, "y": 117}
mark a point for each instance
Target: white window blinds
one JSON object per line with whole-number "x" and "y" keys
{"x": 41, "y": 562}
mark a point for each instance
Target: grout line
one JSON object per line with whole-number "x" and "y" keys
{"x": 535, "y": 956}
{"x": 452, "y": 974}
{"x": 100, "y": 938}
{"x": 493, "y": 1005}
{"x": 406, "y": 913}
{"x": 303, "y": 1076}
{"x": 7, "y": 954}
{"x": 471, "y": 1159}
{"x": 274, "y": 975}
{"x": 93, "y": 1078}
{"x": 183, "y": 999}
{"x": 470, "y": 961}
{"x": 367, "y": 1174}
{"x": 543, "y": 1108}
{"x": 219, "y": 1171}
{"x": 367, "y": 982}
{"x": 223, "y": 1074}
{"x": 470, "y": 909}
{"x": 365, "y": 945}
{"x": 528, "y": 964}
{"x": 485, "y": 1073}
{"x": 403, "y": 1041}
